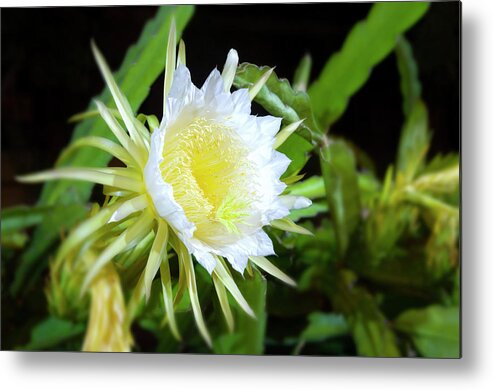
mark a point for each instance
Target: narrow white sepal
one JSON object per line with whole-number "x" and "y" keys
{"x": 229, "y": 69}
{"x": 182, "y": 57}
{"x": 293, "y": 202}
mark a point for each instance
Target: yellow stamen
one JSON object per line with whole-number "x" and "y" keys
{"x": 205, "y": 164}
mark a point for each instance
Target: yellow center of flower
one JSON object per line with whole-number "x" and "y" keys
{"x": 207, "y": 165}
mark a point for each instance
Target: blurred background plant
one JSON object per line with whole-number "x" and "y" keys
{"x": 379, "y": 277}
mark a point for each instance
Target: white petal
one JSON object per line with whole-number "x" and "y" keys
{"x": 269, "y": 125}
{"x": 213, "y": 86}
{"x": 258, "y": 133}
{"x": 241, "y": 101}
{"x": 279, "y": 163}
{"x": 258, "y": 244}
{"x": 276, "y": 210}
{"x": 182, "y": 87}
{"x": 162, "y": 192}
{"x": 206, "y": 260}
{"x": 238, "y": 261}
{"x": 295, "y": 202}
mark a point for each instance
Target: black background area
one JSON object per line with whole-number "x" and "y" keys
{"x": 48, "y": 72}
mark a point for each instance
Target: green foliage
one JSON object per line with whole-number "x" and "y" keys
{"x": 408, "y": 70}
{"x": 34, "y": 259}
{"x": 368, "y": 43}
{"x": 15, "y": 222}
{"x": 248, "y": 335}
{"x": 312, "y": 188}
{"x": 22, "y": 217}
{"x": 397, "y": 236}
{"x": 414, "y": 141}
{"x": 341, "y": 187}
{"x": 370, "y": 329}
{"x": 51, "y": 333}
{"x": 433, "y": 330}
{"x": 302, "y": 73}
{"x": 322, "y": 326}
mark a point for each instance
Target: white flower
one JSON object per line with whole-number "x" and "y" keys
{"x": 213, "y": 173}
{"x": 206, "y": 180}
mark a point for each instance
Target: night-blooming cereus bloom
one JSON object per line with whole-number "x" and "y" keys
{"x": 205, "y": 180}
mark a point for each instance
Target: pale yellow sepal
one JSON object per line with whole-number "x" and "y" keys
{"x": 285, "y": 133}
{"x": 226, "y": 279}
{"x": 156, "y": 256}
{"x": 270, "y": 268}
{"x": 293, "y": 179}
{"x": 129, "y": 207}
{"x": 223, "y": 301}
{"x": 188, "y": 268}
{"x": 289, "y": 226}
{"x": 101, "y": 143}
{"x": 120, "y": 100}
{"x": 255, "y": 89}
{"x": 168, "y": 297}
{"x": 95, "y": 175}
{"x": 80, "y": 116}
{"x": 126, "y": 240}
{"x": 182, "y": 57}
{"x": 84, "y": 230}
{"x": 170, "y": 62}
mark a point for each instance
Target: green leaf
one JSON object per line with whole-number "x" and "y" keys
{"x": 408, "y": 70}
{"x": 52, "y": 332}
{"x": 367, "y": 44}
{"x": 141, "y": 66}
{"x": 441, "y": 162}
{"x": 434, "y": 330}
{"x": 249, "y": 334}
{"x": 15, "y": 220}
{"x": 341, "y": 187}
{"x": 297, "y": 149}
{"x": 312, "y": 188}
{"x": 22, "y": 217}
{"x": 442, "y": 253}
{"x": 322, "y": 326}
{"x": 302, "y": 73}
{"x": 444, "y": 181}
{"x": 414, "y": 142}
{"x": 14, "y": 240}
{"x": 431, "y": 203}
{"x": 34, "y": 258}
{"x": 371, "y": 333}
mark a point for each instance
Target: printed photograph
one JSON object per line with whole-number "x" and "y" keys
{"x": 258, "y": 179}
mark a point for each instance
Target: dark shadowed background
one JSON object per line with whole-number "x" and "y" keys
{"x": 48, "y": 72}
